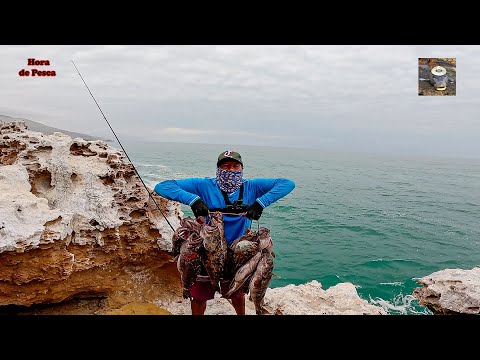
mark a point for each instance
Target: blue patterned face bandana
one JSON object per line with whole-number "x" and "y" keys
{"x": 229, "y": 181}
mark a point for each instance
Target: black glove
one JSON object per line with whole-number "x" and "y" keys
{"x": 254, "y": 211}
{"x": 199, "y": 208}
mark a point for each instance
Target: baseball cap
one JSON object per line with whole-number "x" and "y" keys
{"x": 229, "y": 155}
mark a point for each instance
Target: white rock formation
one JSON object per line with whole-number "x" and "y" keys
{"x": 305, "y": 299}
{"x": 59, "y": 180}
{"x": 450, "y": 291}
{"x": 76, "y": 221}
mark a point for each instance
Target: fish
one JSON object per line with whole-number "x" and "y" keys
{"x": 243, "y": 274}
{"x": 243, "y": 252}
{"x": 193, "y": 224}
{"x": 250, "y": 235}
{"x": 189, "y": 262}
{"x": 187, "y": 226}
{"x": 216, "y": 218}
{"x": 180, "y": 235}
{"x": 265, "y": 240}
{"x": 260, "y": 281}
{"x": 215, "y": 246}
{"x": 231, "y": 263}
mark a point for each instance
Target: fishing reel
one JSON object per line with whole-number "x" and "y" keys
{"x": 438, "y": 78}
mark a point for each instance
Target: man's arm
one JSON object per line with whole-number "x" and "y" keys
{"x": 269, "y": 190}
{"x": 184, "y": 191}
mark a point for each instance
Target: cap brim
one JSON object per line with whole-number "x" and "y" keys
{"x": 226, "y": 159}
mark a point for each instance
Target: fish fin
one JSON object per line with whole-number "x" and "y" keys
{"x": 262, "y": 311}
{"x": 279, "y": 311}
{"x": 228, "y": 294}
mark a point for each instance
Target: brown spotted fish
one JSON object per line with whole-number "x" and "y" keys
{"x": 215, "y": 247}
{"x": 179, "y": 237}
{"x": 243, "y": 274}
{"x": 216, "y": 218}
{"x": 188, "y": 225}
{"x": 264, "y": 239}
{"x": 233, "y": 262}
{"x": 193, "y": 224}
{"x": 260, "y": 280}
{"x": 250, "y": 235}
{"x": 189, "y": 262}
{"x": 243, "y": 252}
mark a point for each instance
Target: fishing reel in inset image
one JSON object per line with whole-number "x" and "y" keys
{"x": 438, "y": 78}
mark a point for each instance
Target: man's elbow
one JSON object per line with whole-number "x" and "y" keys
{"x": 160, "y": 188}
{"x": 289, "y": 184}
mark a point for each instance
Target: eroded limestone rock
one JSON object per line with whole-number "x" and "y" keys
{"x": 450, "y": 291}
{"x": 76, "y": 222}
{"x": 304, "y": 299}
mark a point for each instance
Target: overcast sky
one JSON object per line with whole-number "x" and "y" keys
{"x": 348, "y": 98}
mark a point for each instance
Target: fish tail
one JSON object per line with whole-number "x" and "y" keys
{"x": 231, "y": 290}
{"x": 261, "y": 310}
{"x": 228, "y": 294}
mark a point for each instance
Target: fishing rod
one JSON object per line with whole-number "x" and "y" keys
{"x": 149, "y": 194}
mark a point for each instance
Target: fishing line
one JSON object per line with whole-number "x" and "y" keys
{"x": 149, "y": 194}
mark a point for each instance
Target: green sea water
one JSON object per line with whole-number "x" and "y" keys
{"x": 378, "y": 222}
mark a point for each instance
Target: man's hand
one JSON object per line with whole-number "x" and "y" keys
{"x": 199, "y": 208}
{"x": 254, "y": 211}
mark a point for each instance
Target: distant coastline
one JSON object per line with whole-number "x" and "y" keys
{"x": 48, "y": 130}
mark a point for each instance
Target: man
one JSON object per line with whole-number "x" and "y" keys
{"x": 242, "y": 200}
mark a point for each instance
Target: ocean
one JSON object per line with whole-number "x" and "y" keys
{"x": 379, "y": 222}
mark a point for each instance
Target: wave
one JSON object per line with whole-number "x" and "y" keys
{"x": 400, "y": 305}
{"x": 153, "y": 165}
{"x": 395, "y": 283}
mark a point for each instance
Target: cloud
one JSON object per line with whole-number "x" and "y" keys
{"x": 211, "y": 136}
{"x": 297, "y": 95}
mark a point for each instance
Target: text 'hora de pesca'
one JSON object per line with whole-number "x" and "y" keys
{"x": 37, "y": 72}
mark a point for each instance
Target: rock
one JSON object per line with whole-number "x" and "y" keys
{"x": 139, "y": 309}
{"x": 450, "y": 291}
{"x": 304, "y": 299}
{"x": 77, "y": 223}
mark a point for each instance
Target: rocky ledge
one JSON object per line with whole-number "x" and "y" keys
{"x": 450, "y": 291}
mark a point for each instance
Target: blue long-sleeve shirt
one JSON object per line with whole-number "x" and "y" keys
{"x": 263, "y": 190}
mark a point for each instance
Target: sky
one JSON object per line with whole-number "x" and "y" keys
{"x": 352, "y": 98}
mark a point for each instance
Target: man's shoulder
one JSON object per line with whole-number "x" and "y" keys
{"x": 194, "y": 180}
{"x": 206, "y": 178}
{"x": 265, "y": 181}
{"x": 254, "y": 180}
